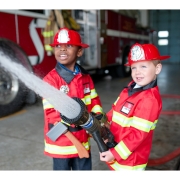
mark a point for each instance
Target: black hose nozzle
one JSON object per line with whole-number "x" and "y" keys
{"x": 89, "y": 123}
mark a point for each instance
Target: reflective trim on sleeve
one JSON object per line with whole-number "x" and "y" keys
{"x": 142, "y": 124}
{"x": 86, "y": 100}
{"x": 93, "y": 93}
{"x": 122, "y": 150}
{"x": 116, "y": 101}
{"x": 118, "y": 167}
{"x": 154, "y": 124}
{"x": 46, "y": 104}
{"x": 121, "y": 119}
{"x": 97, "y": 108}
{"x": 63, "y": 150}
{"x": 65, "y": 122}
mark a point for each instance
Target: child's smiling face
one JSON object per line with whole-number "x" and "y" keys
{"x": 144, "y": 72}
{"x": 67, "y": 54}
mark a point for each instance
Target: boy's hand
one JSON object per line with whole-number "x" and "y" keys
{"x": 107, "y": 124}
{"x": 102, "y": 118}
{"x": 107, "y": 156}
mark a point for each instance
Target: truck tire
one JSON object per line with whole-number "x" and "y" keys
{"x": 13, "y": 93}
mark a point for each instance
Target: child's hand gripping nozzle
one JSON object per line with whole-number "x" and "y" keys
{"x": 89, "y": 122}
{"x": 106, "y": 134}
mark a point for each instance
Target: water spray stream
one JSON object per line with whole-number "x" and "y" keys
{"x": 61, "y": 102}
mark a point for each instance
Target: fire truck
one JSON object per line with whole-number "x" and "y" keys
{"x": 108, "y": 32}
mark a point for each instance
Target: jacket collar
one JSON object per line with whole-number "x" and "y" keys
{"x": 68, "y": 75}
{"x": 131, "y": 91}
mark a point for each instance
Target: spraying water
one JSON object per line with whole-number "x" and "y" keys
{"x": 61, "y": 102}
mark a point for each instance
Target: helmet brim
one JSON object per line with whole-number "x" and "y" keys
{"x": 81, "y": 45}
{"x": 157, "y": 58}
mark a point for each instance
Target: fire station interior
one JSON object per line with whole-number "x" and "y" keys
{"x": 22, "y": 133}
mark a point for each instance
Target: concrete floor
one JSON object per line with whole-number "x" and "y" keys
{"x": 21, "y": 134}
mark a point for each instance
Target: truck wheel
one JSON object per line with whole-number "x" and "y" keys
{"x": 13, "y": 93}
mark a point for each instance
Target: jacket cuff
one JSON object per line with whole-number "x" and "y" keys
{"x": 115, "y": 154}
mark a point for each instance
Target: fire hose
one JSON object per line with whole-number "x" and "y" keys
{"x": 90, "y": 123}
{"x": 175, "y": 153}
{"x": 79, "y": 115}
{"x": 84, "y": 119}
{"x": 164, "y": 159}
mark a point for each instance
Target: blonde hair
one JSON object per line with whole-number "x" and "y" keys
{"x": 156, "y": 62}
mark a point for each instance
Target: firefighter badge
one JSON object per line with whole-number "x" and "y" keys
{"x": 127, "y": 107}
{"x": 137, "y": 53}
{"x": 63, "y": 36}
{"x": 64, "y": 89}
{"x": 86, "y": 88}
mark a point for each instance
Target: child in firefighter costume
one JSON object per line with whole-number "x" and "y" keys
{"x": 70, "y": 78}
{"x": 134, "y": 115}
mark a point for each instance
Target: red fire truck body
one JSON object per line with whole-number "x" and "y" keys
{"x": 108, "y": 33}
{"x": 25, "y": 29}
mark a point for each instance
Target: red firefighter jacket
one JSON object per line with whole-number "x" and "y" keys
{"x": 133, "y": 118}
{"x": 75, "y": 85}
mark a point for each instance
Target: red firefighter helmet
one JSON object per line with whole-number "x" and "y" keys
{"x": 67, "y": 36}
{"x": 144, "y": 52}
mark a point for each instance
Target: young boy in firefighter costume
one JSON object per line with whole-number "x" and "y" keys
{"x": 134, "y": 115}
{"x": 70, "y": 78}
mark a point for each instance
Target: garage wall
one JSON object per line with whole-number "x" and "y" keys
{"x": 167, "y": 20}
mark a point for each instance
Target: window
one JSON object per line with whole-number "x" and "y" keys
{"x": 163, "y": 34}
{"x": 162, "y": 42}
{"x": 163, "y": 38}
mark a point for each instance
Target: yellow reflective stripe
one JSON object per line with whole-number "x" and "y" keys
{"x": 116, "y": 101}
{"x": 97, "y": 108}
{"x": 118, "y": 167}
{"x": 93, "y": 93}
{"x": 154, "y": 125}
{"x": 65, "y": 122}
{"x": 121, "y": 119}
{"x": 63, "y": 150}
{"x": 123, "y": 150}
{"x": 141, "y": 124}
{"x": 47, "y": 47}
{"x": 83, "y": 99}
{"x": 140, "y": 167}
{"x": 138, "y": 123}
{"x": 87, "y": 99}
{"x": 46, "y": 104}
{"x": 48, "y": 33}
